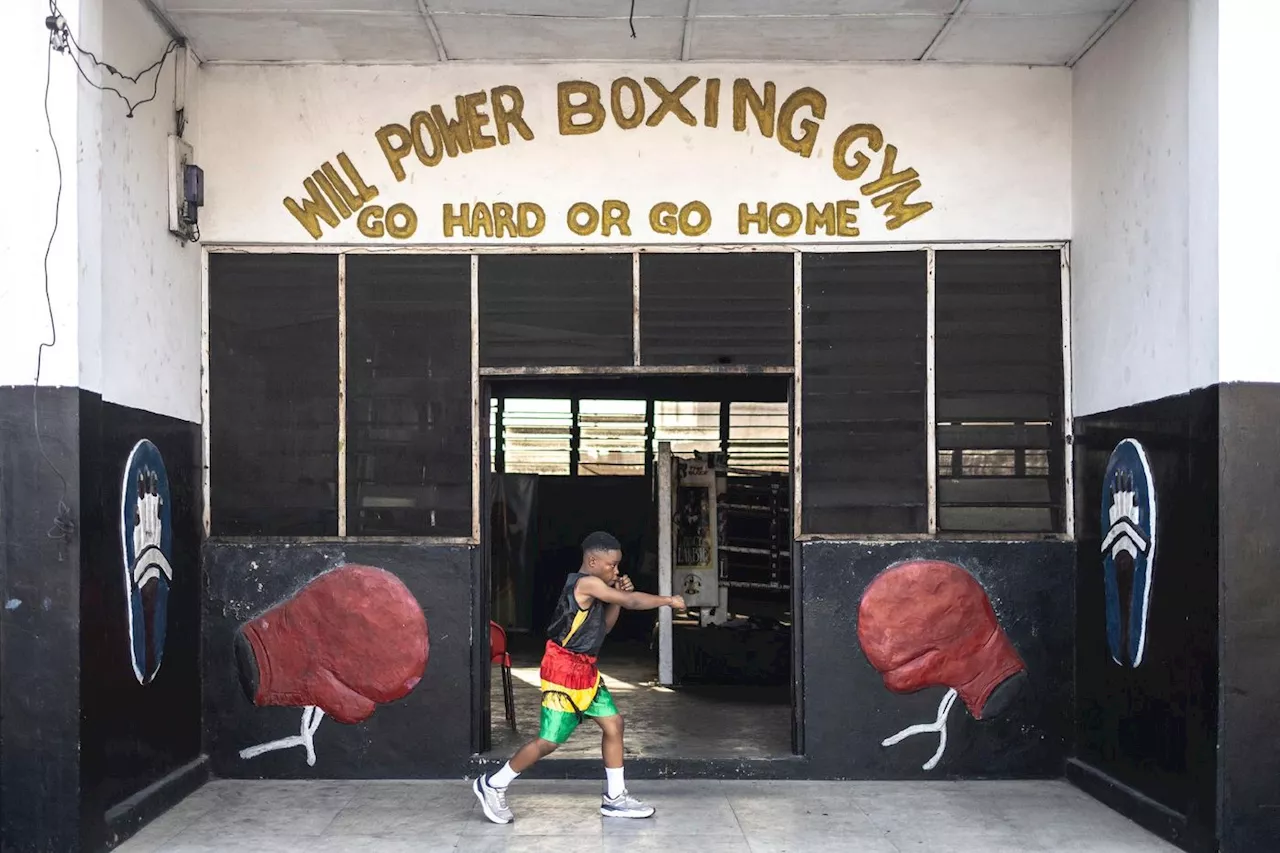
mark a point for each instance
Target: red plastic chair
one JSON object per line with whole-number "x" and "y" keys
{"x": 498, "y": 654}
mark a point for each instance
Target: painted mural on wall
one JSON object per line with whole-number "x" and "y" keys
{"x": 146, "y": 541}
{"x": 929, "y": 623}
{"x": 351, "y": 639}
{"x": 1128, "y": 550}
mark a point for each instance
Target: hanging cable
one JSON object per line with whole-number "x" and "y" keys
{"x": 63, "y": 525}
{"x": 631, "y": 18}
{"x": 58, "y": 24}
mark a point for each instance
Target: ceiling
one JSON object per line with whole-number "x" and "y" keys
{"x": 1012, "y": 32}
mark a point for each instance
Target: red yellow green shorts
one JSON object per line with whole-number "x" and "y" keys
{"x": 571, "y": 690}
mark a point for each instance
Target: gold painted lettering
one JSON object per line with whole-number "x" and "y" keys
{"x": 504, "y": 223}
{"x": 745, "y": 97}
{"x": 476, "y": 120}
{"x": 793, "y": 221}
{"x": 312, "y": 210}
{"x": 817, "y": 104}
{"x": 889, "y": 178}
{"x": 576, "y": 212}
{"x": 813, "y": 218}
{"x": 458, "y": 221}
{"x": 711, "y": 102}
{"x": 662, "y": 218}
{"x": 850, "y": 135}
{"x": 506, "y": 117}
{"x": 530, "y": 218}
{"x": 760, "y": 218}
{"x": 365, "y": 192}
{"x": 688, "y": 226}
{"x": 846, "y": 218}
{"x": 349, "y": 198}
{"x": 454, "y": 131}
{"x": 323, "y": 182}
{"x": 481, "y": 220}
{"x": 370, "y": 221}
{"x": 421, "y": 121}
{"x": 401, "y": 221}
{"x": 669, "y": 101}
{"x": 394, "y": 151}
{"x": 616, "y": 214}
{"x": 898, "y": 211}
{"x": 634, "y": 120}
{"x": 590, "y": 106}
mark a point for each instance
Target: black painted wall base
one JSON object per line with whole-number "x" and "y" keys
{"x": 39, "y": 621}
{"x": 1185, "y": 743}
{"x": 87, "y": 753}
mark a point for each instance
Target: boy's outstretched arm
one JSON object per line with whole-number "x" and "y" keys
{"x": 593, "y": 587}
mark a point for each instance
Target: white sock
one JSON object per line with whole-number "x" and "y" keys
{"x": 616, "y": 784}
{"x": 503, "y": 777}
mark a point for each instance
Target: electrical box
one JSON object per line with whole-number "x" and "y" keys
{"x": 179, "y": 159}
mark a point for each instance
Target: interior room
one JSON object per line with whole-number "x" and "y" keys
{"x": 570, "y": 455}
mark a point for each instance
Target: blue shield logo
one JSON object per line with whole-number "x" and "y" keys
{"x": 1128, "y": 550}
{"x": 146, "y": 539}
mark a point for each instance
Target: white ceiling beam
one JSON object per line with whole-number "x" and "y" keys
{"x": 433, "y": 29}
{"x": 686, "y": 41}
{"x": 1102, "y": 31}
{"x": 946, "y": 28}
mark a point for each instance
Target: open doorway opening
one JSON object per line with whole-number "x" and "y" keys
{"x": 572, "y": 455}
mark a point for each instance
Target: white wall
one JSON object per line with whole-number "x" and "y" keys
{"x": 150, "y": 281}
{"x": 1248, "y": 181}
{"x": 126, "y": 293}
{"x": 1132, "y": 333}
{"x": 991, "y": 146}
{"x": 27, "y": 221}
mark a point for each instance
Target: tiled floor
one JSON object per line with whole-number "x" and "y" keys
{"x": 682, "y": 722}
{"x": 699, "y": 816}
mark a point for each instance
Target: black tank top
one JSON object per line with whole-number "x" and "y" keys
{"x": 574, "y": 629}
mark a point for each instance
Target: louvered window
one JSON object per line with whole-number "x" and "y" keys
{"x": 999, "y": 391}
{"x": 864, "y": 382}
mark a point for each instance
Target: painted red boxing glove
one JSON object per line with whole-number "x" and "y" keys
{"x": 349, "y": 640}
{"x": 926, "y": 623}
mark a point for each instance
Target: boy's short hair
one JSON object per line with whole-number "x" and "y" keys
{"x": 600, "y": 541}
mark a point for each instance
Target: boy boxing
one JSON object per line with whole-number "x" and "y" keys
{"x": 586, "y": 611}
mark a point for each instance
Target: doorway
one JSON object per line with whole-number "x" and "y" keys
{"x": 570, "y": 455}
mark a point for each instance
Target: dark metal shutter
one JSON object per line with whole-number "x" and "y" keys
{"x": 998, "y": 374}
{"x": 699, "y": 309}
{"x": 555, "y": 310}
{"x": 409, "y": 395}
{"x": 273, "y": 394}
{"x": 864, "y": 443}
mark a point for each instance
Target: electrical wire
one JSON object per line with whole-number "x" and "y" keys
{"x": 631, "y": 18}
{"x": 58, "y": 23}
{"x": 60, "y": 37}
{"x": 63, "y": 525}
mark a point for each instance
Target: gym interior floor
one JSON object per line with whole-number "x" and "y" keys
{"x": 691, "y": 721}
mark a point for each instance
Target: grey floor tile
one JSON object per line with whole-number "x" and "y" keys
{"x": 510, "y": 843}
{"x": 665, "y": 844}
{"x": 786, "y": 842}
{"x": 387, "y": 820}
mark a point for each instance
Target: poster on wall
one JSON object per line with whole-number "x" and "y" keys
{"x": 351, "y": 639}
{"x": 146, "y": 541}
{"x": 1128, "y": 550}
{"x": 929, "y": 623}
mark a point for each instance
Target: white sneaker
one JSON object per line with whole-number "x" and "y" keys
{"x": 624, "y": 805}
{"x": 492, "y": 800}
